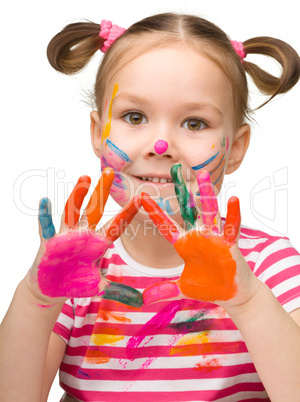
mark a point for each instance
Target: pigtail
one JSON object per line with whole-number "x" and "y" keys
{"x": 286, "y": 56}
{"x": 72, "y": 48}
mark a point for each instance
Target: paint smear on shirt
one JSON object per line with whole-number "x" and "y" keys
{"x": 161, "y": 320}
{"x": 105, "y": 339}
{"x": 207, "y": 365}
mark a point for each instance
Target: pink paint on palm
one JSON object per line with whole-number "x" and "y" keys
{"x": 68, "y": 267}
{"x": 161, "y": 146}
{"x": 227, "y": 145}
{"x": 208, "y": 197}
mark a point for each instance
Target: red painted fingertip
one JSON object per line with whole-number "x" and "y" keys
{"x": 160, "y": 291}
{"x": 74, "y": 203}
{"x": 233, "y": 220}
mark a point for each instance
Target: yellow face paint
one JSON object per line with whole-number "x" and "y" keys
{"x": 106, "y": 130}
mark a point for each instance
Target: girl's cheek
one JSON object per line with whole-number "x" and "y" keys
{"x": 214, "y": 162}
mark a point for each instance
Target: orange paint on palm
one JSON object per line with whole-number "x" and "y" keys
{"x": 73, "y": 205}
{"x": 209, "y": 267}
{"x": 99, "y": 197}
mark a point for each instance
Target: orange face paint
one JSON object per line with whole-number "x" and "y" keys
{"x": 209, "y": 267}
{"x": 73, "y": 205}
{"x": 99, "y": 197}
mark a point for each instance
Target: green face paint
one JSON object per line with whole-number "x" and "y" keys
{"x": 189, "y": 214}
{"x": 123, "y": 294}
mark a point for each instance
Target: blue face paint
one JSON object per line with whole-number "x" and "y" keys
{"x": 202, "y": 165}
{"x": 221, "y": 174}
{"x": 118, "y": 180}
{"x": 45, "y": 219}
{"x": 165, "y": 205}
{"x": 118, "y": 151}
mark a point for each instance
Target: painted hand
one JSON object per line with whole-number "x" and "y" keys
{"x": 66, "y": 265}
{"x": 214, "y": 268}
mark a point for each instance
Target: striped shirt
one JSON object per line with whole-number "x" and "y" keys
{"x": 183, "y": 350}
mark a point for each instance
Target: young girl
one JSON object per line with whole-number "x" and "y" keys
{"x": 219, "y": 318}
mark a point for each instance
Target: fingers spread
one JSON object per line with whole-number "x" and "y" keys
{"x": 188, "y": 210}
{"x": 47, "y": 229}
{"x": 122, "y": 220}
{"x": 208, "y": 198}
{"x": 74, "y": 203}
{"x": 233, "y": 220}
{"x": 96, "y": 205}
{"x": 164, "y": 224}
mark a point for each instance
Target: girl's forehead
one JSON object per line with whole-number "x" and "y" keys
{"x": 176, "y": 72}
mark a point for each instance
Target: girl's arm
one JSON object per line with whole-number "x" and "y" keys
{"x": 273, "y": 340}
{"x": 24, "y": 338}
{"x": 65, "y": 267}
{"x": 215, "y": 271}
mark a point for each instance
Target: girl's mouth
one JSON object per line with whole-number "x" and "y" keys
{"x": 155, "y": 179}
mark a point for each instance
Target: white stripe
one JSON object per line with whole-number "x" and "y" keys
{"x": 157, "y": 385}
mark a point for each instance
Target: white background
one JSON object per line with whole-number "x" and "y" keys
{"x": 45, "y": 143}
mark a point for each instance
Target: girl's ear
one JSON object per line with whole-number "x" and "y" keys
{"x": 96, "y": 132}
{"x": 238, "y": 148}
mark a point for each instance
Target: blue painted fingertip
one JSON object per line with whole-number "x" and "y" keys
{"x": 45, "y": 219}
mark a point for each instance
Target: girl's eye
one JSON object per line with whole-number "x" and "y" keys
{"x": 135, "y": 118}
{"x": 194, "y": 125}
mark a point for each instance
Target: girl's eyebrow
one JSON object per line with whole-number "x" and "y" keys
{"x": 136, "y": 99}
{"x": 130, "y": 97}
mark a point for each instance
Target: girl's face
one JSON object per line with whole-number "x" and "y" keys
{"x": 168, "y": 106}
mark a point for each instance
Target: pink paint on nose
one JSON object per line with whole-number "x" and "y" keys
{"x": 161, "y": 146}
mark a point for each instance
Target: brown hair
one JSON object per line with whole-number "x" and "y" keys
{"x": 72, "y": 48}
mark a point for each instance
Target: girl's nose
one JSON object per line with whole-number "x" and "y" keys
{"x": 161, "y": 146}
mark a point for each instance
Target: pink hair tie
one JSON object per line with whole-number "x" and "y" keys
{"x": 239, "y": 49}
{"x": 109, "y": 32}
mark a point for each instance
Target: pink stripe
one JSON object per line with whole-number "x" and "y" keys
{"x": 114, "y": 259}
{"x": 109, "y": 305}
{"x": 90, "y": 396}
{"x": 160, "y": 351}
{"x": 141, "y": 282}
{"x": 67, "y": 310}
{"x": 170, "y": 374}
{"x": 62, "y": 331}
{"x": 275, "y": 258}
{"x": 283, "y": 276}
{"x": 172, "y": 329}
{"x": 289, "y": 295}
{"x": 247, "y": 251}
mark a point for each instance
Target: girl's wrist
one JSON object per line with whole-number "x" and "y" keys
{"x": 253, "y": 304}
{"x": 33, "y": 295}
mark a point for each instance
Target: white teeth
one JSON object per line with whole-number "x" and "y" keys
{"x": 156, "y": 179}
